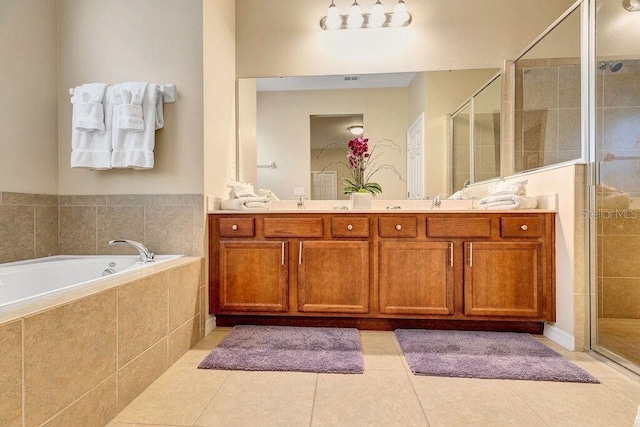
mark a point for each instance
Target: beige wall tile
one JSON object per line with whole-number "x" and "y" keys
{"x": 540, "y": 88}
{"x": 95, "y": 408}
{"x": 68, "y": 351}
{"x": 619, "y": 255}
{"x": 569, "y": 129}
{"x": 569, "y": 86}
{"x": 119, "y": 222}
{"x": 169, "y": 229}
{"x": 11, "y": 374}
{"x": 142, "y": 315}
{"x": 136, "y": 376}
{"x": 199, "y": 219}
{"x": 17, "y": 233}
{"x": 202, "y": 297}
{"x": 77, "y": 230}
{"x": 620, "y": 129}
{"x": 623, "y": 222}
{"x": 9, "y": 198}
{"x": 621, "y": 297}
{"x": 184, "y": 283}
{"x": 130, "y": 199}
{"x": 177, "y": 199}
{"x": 46, "y": 231}
{"x": 183, "y": 338}
{"x": 622, "y": 89}
{"x": 82, "y": 200}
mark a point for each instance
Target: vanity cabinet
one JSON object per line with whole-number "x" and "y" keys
{"x": 333, "y": 277}
{"x": 382, "y": 270}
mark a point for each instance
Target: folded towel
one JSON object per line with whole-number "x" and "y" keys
{"x": 501, "y": 187}
{"x": 240, "y": 189}
{"x": 461, "y": 195}
{"x": 135, "y": 149}
{"x": 245, "y": 203}
{"x": 507, "y": 202}
{"x": 128, "y": 106}
{"x": 91, "y": 149}
{"x": 88, "y": 112}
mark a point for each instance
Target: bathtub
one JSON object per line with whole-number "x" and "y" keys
{"x": 29, "y": 281}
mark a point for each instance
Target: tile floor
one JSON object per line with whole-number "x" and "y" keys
{"x": 387, "y": 394}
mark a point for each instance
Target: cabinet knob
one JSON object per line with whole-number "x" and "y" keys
{"x": 524, "y": 227}
{"x": 349, "y": 227}
{"x": 398, "y": 227}
{"x": 234, "y": 227}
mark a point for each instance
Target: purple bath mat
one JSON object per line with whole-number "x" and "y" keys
{"x": 288, "y": 348}
{"x": 500, "y": 355}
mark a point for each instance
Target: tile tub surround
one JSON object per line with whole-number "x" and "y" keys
{"x": 28, "y": 226}
{"x": 81, "y": 361}
{"x": 39, "y": 225}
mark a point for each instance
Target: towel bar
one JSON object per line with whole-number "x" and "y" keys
{"x": 168, "y": 92}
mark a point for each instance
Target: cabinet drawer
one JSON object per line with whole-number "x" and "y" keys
{"x": 521, "y": 226}
{"x": 293, "y": 227}
{"x": 350, "y": 227}
{"x": 398, "y": 227}
{"x": 459, "y": 227}
{"x": 236, "y": 227}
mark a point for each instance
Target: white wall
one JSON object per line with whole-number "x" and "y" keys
{"x": 219, "y": 54}
{"x": 284, "y": 133}
{"x": 28, "y": 122}
{"x": 135, "y": 40}
{"x": 283, "y": 37}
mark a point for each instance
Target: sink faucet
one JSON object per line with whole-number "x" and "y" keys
{"x": 301, "y": 199}
{"x": 145, "y": 254}
{"x": 437, "y": 200}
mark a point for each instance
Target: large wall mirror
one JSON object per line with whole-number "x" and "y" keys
{"x": 547, "y": 118}
{"x": 293, "y": 131}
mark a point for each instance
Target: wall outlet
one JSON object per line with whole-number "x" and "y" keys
{"x": 298, "y": 191}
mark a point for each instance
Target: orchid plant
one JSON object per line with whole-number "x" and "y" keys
{"x": 364, "y": 163}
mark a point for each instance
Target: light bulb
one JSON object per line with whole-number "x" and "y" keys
{"x": 333, "y": 20}
{"x": 355, "y": 18}
{"x": 377, "y": 17}
{"x": 400, "y": 14}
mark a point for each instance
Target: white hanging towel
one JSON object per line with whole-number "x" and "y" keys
{"x": 90, "y": 133}
{"x": 134, "y": 149}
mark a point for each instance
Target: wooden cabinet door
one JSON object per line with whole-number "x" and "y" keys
{"x": 503, "y": 279}
{"x": 253, "y": 277}
{"x": 333, "y": 277}
{"x": 416, "y": 278}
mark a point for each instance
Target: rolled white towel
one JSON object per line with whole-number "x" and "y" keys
{"x": 507, "y": 202}
{"x": 244, "y": 203}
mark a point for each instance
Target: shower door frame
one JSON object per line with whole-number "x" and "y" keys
{"x": 593, "y": 178}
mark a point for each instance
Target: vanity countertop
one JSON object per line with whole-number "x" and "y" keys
{"x": 378, "y": 211}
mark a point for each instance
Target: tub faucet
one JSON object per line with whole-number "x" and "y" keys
{"x": 145, "y": 254}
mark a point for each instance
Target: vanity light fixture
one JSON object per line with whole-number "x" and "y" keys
{"x": 378, "y": 18}
{"x": 631, "y": 5}
{"x": 357, "y": 130}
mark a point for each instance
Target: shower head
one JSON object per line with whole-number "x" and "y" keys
{"x": 613, "y": 66}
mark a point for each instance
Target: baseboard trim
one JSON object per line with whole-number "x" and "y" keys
{"x": 559, "y": 337}
{"x": 210, "y": 324}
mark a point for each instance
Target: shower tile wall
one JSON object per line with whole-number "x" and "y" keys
{"x": 547, "y": 116}
{"x": 36, "y": 225}
{"x": 618, "y": 133}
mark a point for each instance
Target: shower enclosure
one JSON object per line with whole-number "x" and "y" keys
{"x": 614, "y": 213}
